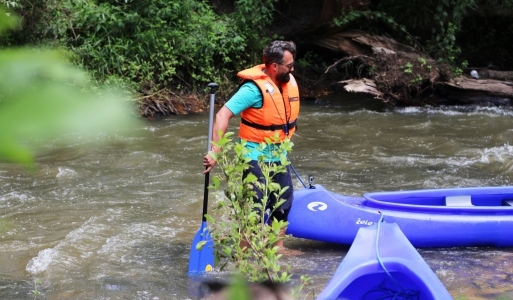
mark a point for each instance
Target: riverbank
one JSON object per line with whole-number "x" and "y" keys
{"x": 167, "y": 102}
{"x": 393, "y": 86}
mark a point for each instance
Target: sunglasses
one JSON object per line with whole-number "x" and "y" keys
{"x": 290, "y": 66}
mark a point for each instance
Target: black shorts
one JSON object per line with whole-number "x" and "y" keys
{"x": 283, "y": 179}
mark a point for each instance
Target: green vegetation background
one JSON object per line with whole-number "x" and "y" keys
{"x": 180, "y": 45}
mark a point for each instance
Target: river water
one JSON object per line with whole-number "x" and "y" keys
{"x": 114, "y": 218}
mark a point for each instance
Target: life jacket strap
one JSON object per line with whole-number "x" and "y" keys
{"x": 284, "y": 127}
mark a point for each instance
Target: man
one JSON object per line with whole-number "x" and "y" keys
{"x": 268, "y": 102}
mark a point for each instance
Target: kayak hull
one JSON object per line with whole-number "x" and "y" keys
{"x": 319, "y": 214}
{"x": 399, "y": 272}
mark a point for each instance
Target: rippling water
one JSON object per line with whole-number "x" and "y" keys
{"x": 114, "y": 219}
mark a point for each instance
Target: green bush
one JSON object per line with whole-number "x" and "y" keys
{"x": 242, "y": 219}
{"x": 44, "y": 97}
{"x": 433, "y": 29}
{"x": 239, "y": 219}
{"x": 158, "y": 43}
{"x": 149, "y": 45}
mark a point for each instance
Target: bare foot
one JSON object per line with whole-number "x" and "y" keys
{"x": 289, "y": 252}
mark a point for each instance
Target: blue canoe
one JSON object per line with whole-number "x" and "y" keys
{"x": 399, "y": 272}
{"x": 481, "y": 216}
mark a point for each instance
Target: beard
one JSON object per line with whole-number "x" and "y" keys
{"x": 283, "y": 77}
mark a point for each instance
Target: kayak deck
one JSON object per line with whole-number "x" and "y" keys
{"x": 495, "y": 200}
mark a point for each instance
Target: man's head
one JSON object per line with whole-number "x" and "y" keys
{"x": 278, "y": 58}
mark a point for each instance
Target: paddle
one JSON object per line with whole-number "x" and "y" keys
{"x": 201, "y": 257}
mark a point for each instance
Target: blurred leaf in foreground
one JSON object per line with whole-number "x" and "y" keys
{"x": 42, "y": 96}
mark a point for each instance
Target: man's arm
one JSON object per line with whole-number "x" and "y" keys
{"x": 247, "y": 96}
{"x": 222, "y": 119}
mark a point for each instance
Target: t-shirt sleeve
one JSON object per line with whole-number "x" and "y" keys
{"x": 247, "y": 96}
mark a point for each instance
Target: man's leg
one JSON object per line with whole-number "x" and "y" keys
{"x": 255, "y": 170}
{"x": 282, "y": 212}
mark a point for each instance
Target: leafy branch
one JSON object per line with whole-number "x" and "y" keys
{"x": 247, "y": 239}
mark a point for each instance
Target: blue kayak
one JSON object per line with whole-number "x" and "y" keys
{"x": 383, "y": 264}
{"x": 481, "y": 216}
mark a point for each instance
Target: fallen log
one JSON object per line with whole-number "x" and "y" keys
{"x": 467, "y": 90}
{"x": 460, "y": 90}
{"x": 494, "y": 74}
{"x": 402, "y": 75}
{"x": 363, "y": 85}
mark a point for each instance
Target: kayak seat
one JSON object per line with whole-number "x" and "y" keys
{"x": 464, "y": 200}
{"x": 507, "y": 202}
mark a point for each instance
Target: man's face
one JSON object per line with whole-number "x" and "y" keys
{"x": 285, "y": 68}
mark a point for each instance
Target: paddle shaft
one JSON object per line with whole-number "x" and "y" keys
{"x": 213, "y": 88}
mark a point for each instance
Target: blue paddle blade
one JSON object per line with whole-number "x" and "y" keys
{"x": 201, "y": 258}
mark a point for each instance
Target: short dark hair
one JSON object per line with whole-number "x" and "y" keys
{"x": 273, "y": 53}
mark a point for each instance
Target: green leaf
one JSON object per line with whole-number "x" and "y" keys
{"x": 209, "y": 218}
{"x": 250, "y": 178}
{"x": 200, "y": 245}
{"x": 216, "y": 182}
{"x": 7, "y": 21}
{"x": 45, "y": 98}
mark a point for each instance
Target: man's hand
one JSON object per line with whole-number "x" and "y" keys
{"x": 220, "y": 125}
{"x": 209, "y": 163}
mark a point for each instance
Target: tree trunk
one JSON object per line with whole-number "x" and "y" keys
{"x": 402, "y": 75}
{"x": 467, "y": 90}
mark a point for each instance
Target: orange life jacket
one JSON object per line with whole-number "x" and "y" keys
{"x": 279, "y": 110}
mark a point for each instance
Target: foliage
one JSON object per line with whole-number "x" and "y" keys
{"x": 9, "y": 4}
{"x": 408, "y": 68}
{"x": 44, "y": 97}
{"x": 487, "y": 38}
{"x": 239, "y": 289}
{"x": 424, "y": 64}
{"x": 310, "y": 70}
{"x": 180, "y": 45}
{"x": 7, "y": 21}
{"x": 435, "y": 24}
{"x": 370, "y": 16}
{"x": 252, "y": 17}
{"x": 36, "y": 292}
{"x": 155, "y": 44}
{"x": 150, "y": 45}
{"x": 243, "y": 234}
{"x": 440, "y": 28}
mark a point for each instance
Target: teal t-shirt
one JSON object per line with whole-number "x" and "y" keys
{"x": 247, "y": 96}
